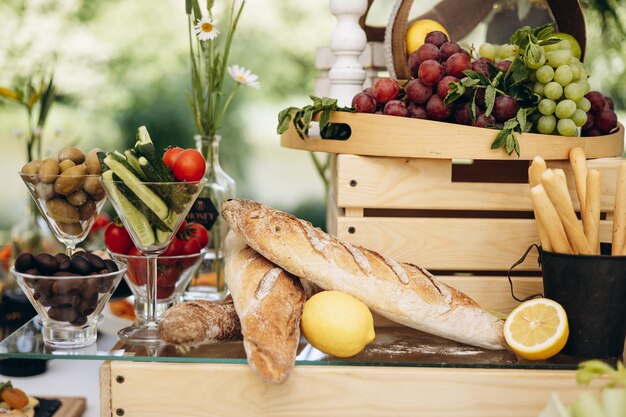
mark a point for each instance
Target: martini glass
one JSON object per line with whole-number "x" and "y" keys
{"x": 69, "y": 204}
{"x": 152, "y": 212}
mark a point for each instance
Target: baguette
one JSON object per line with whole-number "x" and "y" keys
{"x": 269, "y": 302}
{"x": 195, "y": 322}
{"x": 402, "y": 292}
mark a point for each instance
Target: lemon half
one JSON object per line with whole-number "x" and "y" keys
{"x": 337, "y": 323}
{"x": 537, "y": 329}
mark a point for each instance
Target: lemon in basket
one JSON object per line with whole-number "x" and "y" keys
{"x": 537, "y": 329}
{"x": 418, "y": 30}
{"x": 337, "y": 323}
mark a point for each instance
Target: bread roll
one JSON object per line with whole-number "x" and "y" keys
{"x": 402, "y": 292}
{"x": 269, "y": 302}
{"x": 196, "y": 322}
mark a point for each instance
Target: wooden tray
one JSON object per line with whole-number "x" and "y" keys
{"x": 379, "y": 135}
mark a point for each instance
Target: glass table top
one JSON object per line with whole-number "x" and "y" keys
{"x": 393, "y": 346}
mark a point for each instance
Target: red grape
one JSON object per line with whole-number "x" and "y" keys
{"x": 605, "y": 121}
{"x": 592, "y": 132}
{"x": 385, "y": 89}
{"x": 426, "y": 52}
{"x": 448, "y": 49}
{"x": 430, "y": 72}
{"x": 504, "y": 65}
{"x": 418, "y": 92}
{"x": 589, "y": 123}
{"x": 462, "y": 115}
{"x": 484, "y": 59}
{"x": 609, "y": 102}
{"x": 364, "y": 103}
{"x": 598, "y": 102}
{"x": 456, "y": 64}
{"x": 443, "y": 85}
{"x": 480, "y": 67}
{"x": 480, "y": 98}
{"x": 369, "y": 90}
{"x": 417, "y": 112}
{"x": 504, "y": 108}
{"x": 483, "y": 121}
{"x": 436, "y": 109}
{"x": 395, "y": 108}
{"x": 436, "y": 38}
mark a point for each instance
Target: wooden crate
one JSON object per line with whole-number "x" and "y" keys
{"x": 397, "y": 187}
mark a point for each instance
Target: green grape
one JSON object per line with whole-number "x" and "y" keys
{"x": 579, "y": 117}
{"x": 566, "y": 127}
{"x": 553, "y": 47}
{"x": 583, "y": 72}
{"x": 584, "y": 104}
{"x": 584, "y": 85}
{"x": 507, "y": 51}
{"x": 573, "y": 92}
{"x": 538, "y": 89}
{"x": 565, "y": 44}
{"x": 558, "y": 58}
{"x": 546, "y": 106}
{"x": 546, "y": 124}
{"x": 553, "y": 90}
{"x": 563, "y": 75}
{"x": 575, "y": 72}
{"x": 487, "y": 50}
{"x": 565, "y": 109}
{"x": 545, "y": 74}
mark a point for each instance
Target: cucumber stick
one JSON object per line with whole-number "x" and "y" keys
{"x": 144, "y": 193}
{"x": 155, "y": 221}
{"x": 131, "y": 157}
{"x": 141, "y": 227}
{"x": 144, "y": 147}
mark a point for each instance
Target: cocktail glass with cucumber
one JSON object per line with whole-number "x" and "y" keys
{"x": 151, "y": 204}
{"x": 68, "y": 192}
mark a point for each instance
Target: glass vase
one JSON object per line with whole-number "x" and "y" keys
{"x": 208, "y": 281}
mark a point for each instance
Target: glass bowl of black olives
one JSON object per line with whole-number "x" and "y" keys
{"x": 68, "y": 293}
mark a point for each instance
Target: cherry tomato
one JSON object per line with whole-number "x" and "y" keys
{"x": 182, "y": 227}
{"x": 170, "y": 155}
{"x": 14, "y": 397}
{"x": 168, "y": 276}
{"x": 190, "y": 247}
{"x": 165, "y": 292}
{"x": 189, "y": 166}
{"x": 198, "y": 232}
{"x": 117, "y": 239}
{"x": 102, "y": 221}
{"x": 175, "y": 248}
{"x": 137, "y": 267}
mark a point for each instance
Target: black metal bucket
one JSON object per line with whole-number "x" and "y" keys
{"x": 592, "y": 290}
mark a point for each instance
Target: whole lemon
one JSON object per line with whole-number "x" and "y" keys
{"x": 418, "y": 30}
{"x": 337, "y": 323}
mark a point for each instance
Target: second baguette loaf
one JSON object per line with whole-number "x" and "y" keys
{"x": 402, "y": 292}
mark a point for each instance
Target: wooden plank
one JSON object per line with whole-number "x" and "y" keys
{"x": 217, "y": 390}
{"x": 380, "y": 135}
{"x": 105, "y": 390}
{"x": 450, "y": 243}
{"x": 416, "y": 183}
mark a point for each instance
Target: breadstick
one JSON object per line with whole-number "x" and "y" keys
{"x": 619, "y": 213}
{"x": 579, "y": 164}
{"x": 550, "y": 219}
{"x": 556, "y": 188}
{"x": 535, "y": 170}
{"x": 591, "y": 215}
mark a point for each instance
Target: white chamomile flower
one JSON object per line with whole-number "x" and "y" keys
{"x": 205, "y": 29}
{"x": 244, "y": 76}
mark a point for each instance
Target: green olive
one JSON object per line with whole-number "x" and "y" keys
{"x": 49, "y": 170}
{"x": 74, "y": 154}
{"x": 65, "y": 165}
{"x": 92, "y": 162}
{"x": 62, "y": 211}
{"x": 30, "y": 171}
{"x": 72, "y": 179}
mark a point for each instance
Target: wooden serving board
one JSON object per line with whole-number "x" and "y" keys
{"x": 380, "y": 135}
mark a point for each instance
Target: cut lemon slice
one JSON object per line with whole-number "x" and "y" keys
{"x": 537, "y": 329}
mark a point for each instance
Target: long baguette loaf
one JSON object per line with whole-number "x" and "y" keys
{"x": 196, "y": 322}
{"x": 269, "y": 302}
{"x": 402, "y": 292}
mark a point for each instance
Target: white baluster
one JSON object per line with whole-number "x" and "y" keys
{"x": 347, "y": 42}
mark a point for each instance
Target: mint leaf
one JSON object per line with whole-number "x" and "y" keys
{"x": 284, "y": 117}
{"x": 534, "y": 56}
{"x": 490, "y": 99}
{"x": 521, "y": 119}
{"x": 473, "y": 107}
{"x": 511, "y": 124}
{"x": 510, "y": 143}
{"x": 325, "y": 117}
{"x": 544, "y": 32}
{"x": 500, "y": 139}
{"x": 456, "y": 90}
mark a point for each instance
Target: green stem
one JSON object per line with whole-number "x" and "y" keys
{"x": 218, "y": 123}
{"x": 29, "y": 141}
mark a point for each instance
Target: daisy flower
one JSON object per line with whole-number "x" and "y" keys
{"x": 205, "y": 29}
{"x": 244, "y": 76}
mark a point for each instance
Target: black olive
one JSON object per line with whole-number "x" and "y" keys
{"x": 80, "y": 265}
{"x": 24, "y": 262}
{"x": 96, "y": 262}
{"x": 111, "y": 265}
{"x": 46, "y": 263}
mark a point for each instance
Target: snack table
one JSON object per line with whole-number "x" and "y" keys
{"x": 403, "y": 372}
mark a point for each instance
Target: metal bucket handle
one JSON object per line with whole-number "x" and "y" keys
{"x": 519, "y": 261}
